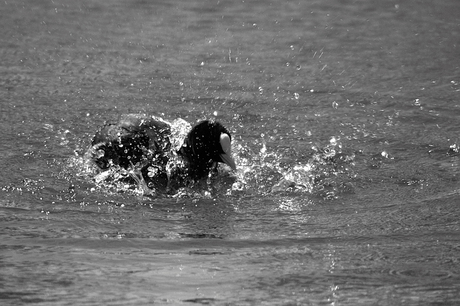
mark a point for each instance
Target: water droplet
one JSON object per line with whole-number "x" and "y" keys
{"x": 333, "y": 141}
{"x": 263, "y": 150}
{"x": 99, "y": 153}
{"x": 335, "y": 104}
{"x": 151, "y": 171}
{"x": 296, "y": 96}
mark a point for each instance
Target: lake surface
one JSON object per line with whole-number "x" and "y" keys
{"x": 345, "y": 123}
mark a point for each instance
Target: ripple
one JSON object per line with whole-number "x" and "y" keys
{"x": 418, "y": 272}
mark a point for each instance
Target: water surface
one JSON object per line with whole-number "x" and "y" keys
{"x": 344, "y": 116}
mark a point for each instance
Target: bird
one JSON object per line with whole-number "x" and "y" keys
{"x": 208, "y": 143}
{"x": 146, "y": 143}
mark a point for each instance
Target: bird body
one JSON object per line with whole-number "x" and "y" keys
{"x": 147, "y": 143}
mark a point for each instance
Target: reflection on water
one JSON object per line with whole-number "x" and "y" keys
{"x": 344, "y": 118}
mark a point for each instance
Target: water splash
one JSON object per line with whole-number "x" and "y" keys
{"x": 262, "y": 169}
{"x": 257, "y": 171}
{"x": 326, "y": 173}
{"x": 179, "y": 130}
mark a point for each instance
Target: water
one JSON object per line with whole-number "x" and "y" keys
{"x": 344, "y": 116}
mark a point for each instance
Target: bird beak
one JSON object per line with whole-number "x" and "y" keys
{"x": 226, "y": 145}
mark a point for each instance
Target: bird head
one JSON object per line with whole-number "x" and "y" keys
{"x": 208, "y": 142}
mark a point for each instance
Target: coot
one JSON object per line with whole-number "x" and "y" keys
{"x": 145, "y": 143}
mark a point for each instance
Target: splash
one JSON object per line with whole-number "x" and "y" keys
{"x": 257, "y": 171}
{"x": 326, "y": 173}
{"x": 179, "y": 130}
{"x": 262, "y": 170}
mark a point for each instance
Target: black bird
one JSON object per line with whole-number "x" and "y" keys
{"x": 208, "y": 143}
{"x": 145, "y": 142}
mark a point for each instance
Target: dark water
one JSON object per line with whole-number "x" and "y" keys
{"x": 345, "y": 121}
